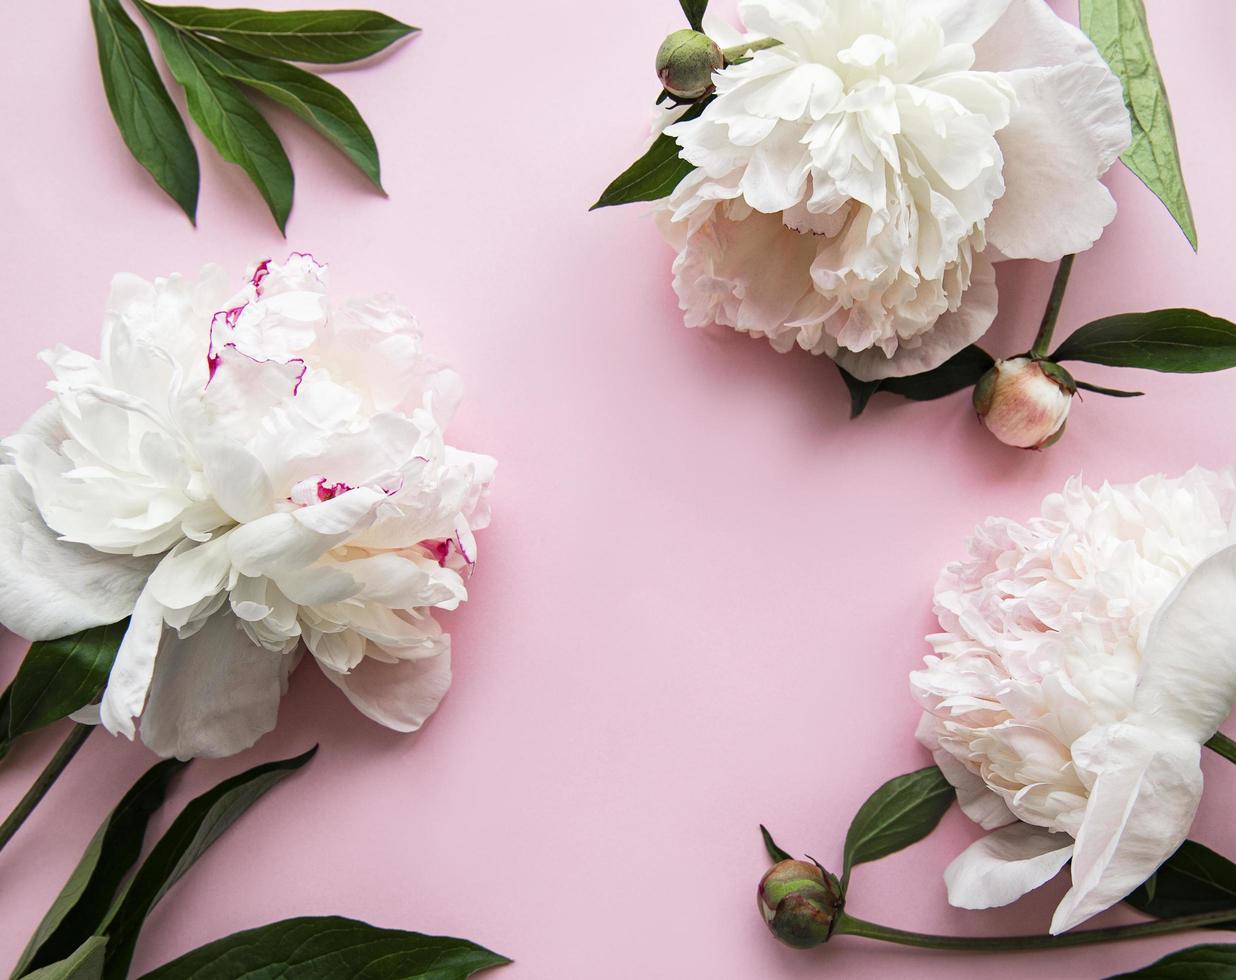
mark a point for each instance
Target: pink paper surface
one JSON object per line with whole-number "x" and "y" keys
{"x": 704, "y": 586}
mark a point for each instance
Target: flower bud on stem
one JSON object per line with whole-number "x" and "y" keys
{"x": 1042, "y": 343}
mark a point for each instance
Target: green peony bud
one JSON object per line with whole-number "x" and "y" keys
{"x": 799, "y": 903}
{"x": 686, "y": 62}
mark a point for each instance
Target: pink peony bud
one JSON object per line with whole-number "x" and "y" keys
{"x": 1025, "y": 403}
{"x": 799, "y": 903}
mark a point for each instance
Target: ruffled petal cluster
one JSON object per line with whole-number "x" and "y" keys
{"x": 246, "y": 477}
{"x": 1084, "y": 658}
{"x": 855, "y": 183}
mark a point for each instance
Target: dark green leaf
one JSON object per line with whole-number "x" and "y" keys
{"x": 962, "y": 370}
{"x": 860, "y": 391}
{"x": 82, "y": 904}
{"x": 1211, "y": 962}
{"x": 655, "y": 174}
{"x": 326, "y": 947}
{"x": 314, "y": 100}
{"x": 1113, "y": 392}
{"x": 770, "y": 845}
{"x": 220, "y": 109}
{"x": 58, "y": 677}
{"x": 1120, "y": 32}
{"x": 327, "y": 37}
{"x": 1193, "y": 880}
{"x": 148, "y": 121}
{"x": 902, "y": 811}
{"x": 6, "y": 704}
{"x": 1182, "y": 341}
{"x": 84, "y": 963}
{"x": 694, "y": 9}
{"x": 198, "y": 826}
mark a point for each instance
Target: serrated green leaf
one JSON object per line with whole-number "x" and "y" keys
{"x": 85, "y": 963}
{"x": 57, "y": 677}
{"x": 144, "y": 112}
{"x": 326, "y": 37}
{"x": 901, "y": 812}
{"x": 655, "y": 174}
{"x": 197, "y": 827}
{"x": 770, "y": 845}
{"x": 1119, "y": 30}
{"x": 327, "y": 947}
{"x": 1214, "y": 961}
{"x": 1193, "y": 880}
{"x": 695, "y": 10}
{"x": 1182, "y": 341}
{"x": 313, "y": 99}
{"x": 220, "y": 109}
{"x": 83, "y": 903}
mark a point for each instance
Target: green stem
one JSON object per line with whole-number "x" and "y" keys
{"x": 740, "y": 51}
{"x": 25, "y": 806}
{"x": 1222, "y": 745}
{"x": 1042, "y": 343}
{"x": 850, "y": 926}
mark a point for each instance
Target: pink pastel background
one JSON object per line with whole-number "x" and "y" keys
{"x": 704, "y": 586}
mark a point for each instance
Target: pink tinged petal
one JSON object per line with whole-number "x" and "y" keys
{"x": 338, "y": 652}
{"x": 952, "y": 332}
{"x": 1006, "y": 864}
{"x": 129, "y": 681}
{"x": 52, "y": 588}
{"x": 214, "y": 694}
{"x": 963, "y": 21}
{"x": 1188, "y": 681}
{"x": 1032, "y": 35}
{"x": 1147, "y": 786}
{"x": 978, "y": 802}
{"x": 1069, "y": 126}
{"x": 399, "y": 695}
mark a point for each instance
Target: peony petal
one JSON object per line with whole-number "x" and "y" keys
{"x": 1188, "y": 682}
{"x": 237, "y": 480}
{"x": 963, "y": 21}
{"x": 1069, "y": 127}
{"x": 1001, "y": 867}
{"x": 129, "y": 681}
{"x": 1032, "y": 35}
{"x": 214, "y": 694}
{"x": 1147, "y": 785}
{"x": 400, "y": 695}
{"x": 952, "y": 332}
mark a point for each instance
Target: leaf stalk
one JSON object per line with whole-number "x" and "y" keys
{"x": 46, "y": 779}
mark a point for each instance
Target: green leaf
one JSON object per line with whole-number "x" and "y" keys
{"x": 314, "y": 100}
{"x": 59, "y": 676}
{"x": 144, "y": 112}
{"x": 326, "y": 37}
{"x": 902, "y": 811}
{"x": 198, "y": 826}
{"x": 655, "y": 174}
{"x": 1120, "y": 32}
{"x": 326, "y": 947}
{"x": 1193, "y": 880}
{"x": 83, "y": 903}
{"x": 694, "y": 9}
{"x": 1111, "y": 392}
{"x": 962, "y": 370}
{"x": 1181, "y": 341}
{"x": 1214, "y": 961}
{"x": 236, "y": 129}
{"x": 770, "y": 845}
{"x": 85, "y": 963}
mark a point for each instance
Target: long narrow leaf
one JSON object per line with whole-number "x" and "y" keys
{"x": 1119, "y": 30}
{"x": 694, "y": 9}
{"x": 655, "y": 174}
{"x": 84, "y": 963}
{"x": 199, "y": 825}
{"x": 1182, "y": 341}
{"x": 327, "y": 37}
{"x": 82, "y": 904}
{"x": 313, "y": 99}
{"x": 144, "y": 112}
{"x": 220, "y": 109}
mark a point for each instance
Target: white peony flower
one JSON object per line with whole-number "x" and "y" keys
{"x": 855, "y": 184}
{"x": 1085, "y": 658}
{"x": 243, "y": 476}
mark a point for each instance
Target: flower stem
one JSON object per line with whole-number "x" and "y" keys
{"x": 850, "y": 926}
{"x": 1042, "y": 343}
{"x": 25, "y": 806}
{"x": 1222, "y": 745}
{"x": 739, "y": 51}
